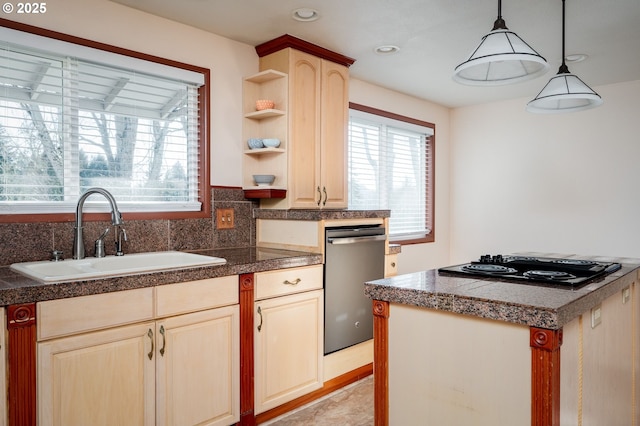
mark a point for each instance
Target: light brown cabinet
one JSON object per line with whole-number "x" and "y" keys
{"x": 599, "y": 360}
{"x": 163, "y": 356}
{"x": 288, "y": 335}
{"x": 318, "y": 100}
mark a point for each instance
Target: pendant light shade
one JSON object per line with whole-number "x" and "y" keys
{"x": 501, "y": 58}
{"x": 565, "y": 92}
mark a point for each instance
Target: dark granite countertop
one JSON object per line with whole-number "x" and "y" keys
{"x": 531, "y": 305}
{"x": 15, "y": 288}
{"x": 319, "y": 214}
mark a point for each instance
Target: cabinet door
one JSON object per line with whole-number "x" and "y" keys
{"x": 333, "y": 135}
{"x": 288, "y": 348}
{"x": 607, "y": 361}
{"x": 304, "y": 130}
{"x": 100, "y": 378}
{"x": 198, "y": 368}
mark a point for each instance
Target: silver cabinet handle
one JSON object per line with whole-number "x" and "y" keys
{"x": 319, "y": 196}
{"x": 294, "y": 282}
{"x": 164, "y": 340}
{"x": 260, "y": 313}
{"x": 324, "y": 189}
{"x": 150, "y": 334}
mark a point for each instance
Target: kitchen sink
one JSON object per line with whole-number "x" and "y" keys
{"x": 111, "y": 266}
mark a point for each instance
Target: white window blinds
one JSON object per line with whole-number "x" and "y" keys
{"x": 68, "y": 123}
{"x": 387, "y": 169}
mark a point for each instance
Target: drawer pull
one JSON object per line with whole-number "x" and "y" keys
{"x": 295, "y": 282}
{"x": 260, "y": 313}
{"x": 164, "y": 340}
{"x": 319, "y": 196}
{"x": 324, "y": 190}
{"x": 150, "y": 334}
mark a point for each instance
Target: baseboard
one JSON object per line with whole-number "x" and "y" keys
{"x": 328, "y": 387}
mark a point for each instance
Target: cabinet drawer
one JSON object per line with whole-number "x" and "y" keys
{"x": 86, "y": 313}
{"x": 287, "y": 281}
{"x": 198, "y": 295}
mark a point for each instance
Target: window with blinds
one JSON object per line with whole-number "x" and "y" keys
{"x": 390, "y": 166}
{"x": 72, "y": 118}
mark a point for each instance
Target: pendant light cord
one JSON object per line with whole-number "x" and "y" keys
{"x": 499, "y": 24}
{"x": 563, "y": 68}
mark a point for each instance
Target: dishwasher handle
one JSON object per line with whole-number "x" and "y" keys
{"x": 355, "y": 240}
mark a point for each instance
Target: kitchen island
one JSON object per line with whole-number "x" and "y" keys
{"x": 455, "y": 350}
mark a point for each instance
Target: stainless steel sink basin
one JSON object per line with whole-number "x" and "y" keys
{"x": 111, "y": 266}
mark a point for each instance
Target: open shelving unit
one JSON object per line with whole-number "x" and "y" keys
{"x": 268, "y": 123}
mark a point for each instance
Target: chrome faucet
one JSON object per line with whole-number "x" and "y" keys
{"x": 78, "y": 238}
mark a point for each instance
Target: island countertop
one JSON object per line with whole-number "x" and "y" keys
{"x": 16, "y": 288}
{"x": 541, "y": 306}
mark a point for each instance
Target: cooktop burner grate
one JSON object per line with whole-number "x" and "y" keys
{"x": 549, "y": 275}
{"x": 489, "y": 268}
{"x": 567, "y": 273}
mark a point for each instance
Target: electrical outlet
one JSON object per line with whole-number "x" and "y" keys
{"x": 224, "y": 219}
{"x": 596, "y": 316}
{"x": 626, "y": 294}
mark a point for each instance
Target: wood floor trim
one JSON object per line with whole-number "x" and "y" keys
{"x": 328, "y": 387}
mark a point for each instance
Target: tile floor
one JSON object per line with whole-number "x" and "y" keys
{"x": 349, "y": 406}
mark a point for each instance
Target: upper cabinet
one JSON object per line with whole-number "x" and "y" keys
{"x": 317, "y": 119}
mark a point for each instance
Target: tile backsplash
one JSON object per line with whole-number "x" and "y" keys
{"x": 24, "y": 242}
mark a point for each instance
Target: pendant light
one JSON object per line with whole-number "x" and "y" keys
{"x": 501, "y": 58}
{"x": 565, "y": 92}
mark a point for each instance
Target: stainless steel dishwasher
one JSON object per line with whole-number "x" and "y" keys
{"x": 353, "y": 255}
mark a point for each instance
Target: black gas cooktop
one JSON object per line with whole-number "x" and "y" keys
{"x": 563, "y": 272}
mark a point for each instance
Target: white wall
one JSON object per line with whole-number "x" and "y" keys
{"x": 418, "y": 257}
{"x": 229, "y": 62}
{"x": 566, "y": 183}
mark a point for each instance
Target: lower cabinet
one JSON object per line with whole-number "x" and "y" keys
{"x": 100, "y": 378}
{"x": 599, "y": 359}
{"x": 198, "y": 369}
{"x": 288, "y": 336}
{"x": 175, "y": 370}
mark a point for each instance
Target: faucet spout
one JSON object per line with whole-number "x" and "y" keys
{"x": 78, "y": 238}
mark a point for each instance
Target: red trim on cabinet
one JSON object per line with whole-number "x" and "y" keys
{"x": 381, "y": 362}
{"x": 247, "y": 417}
{"x": 21, "y": 330}
{"x": 545, "y": 376}
{"x": 287, "y": 40}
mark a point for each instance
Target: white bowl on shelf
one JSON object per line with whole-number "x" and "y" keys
{"x": 255, "y": 143}
{"x": 264, "y": 180}
{"x": 271, "y": 142}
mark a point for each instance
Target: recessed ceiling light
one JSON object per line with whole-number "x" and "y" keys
{"x": 387, "y": 49}
{"x": 305, "y": 14}
{"x": 577, "y": 57}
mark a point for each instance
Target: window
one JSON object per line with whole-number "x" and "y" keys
{"x": 74, "y": 117}
{"x": 390, "y": 166}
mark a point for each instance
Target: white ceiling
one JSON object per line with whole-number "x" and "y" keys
{"x": 434, "y": 36}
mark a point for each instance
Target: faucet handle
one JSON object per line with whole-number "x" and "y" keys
{"x": 57, "y": 255}
{"x": 100, "y": 244}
